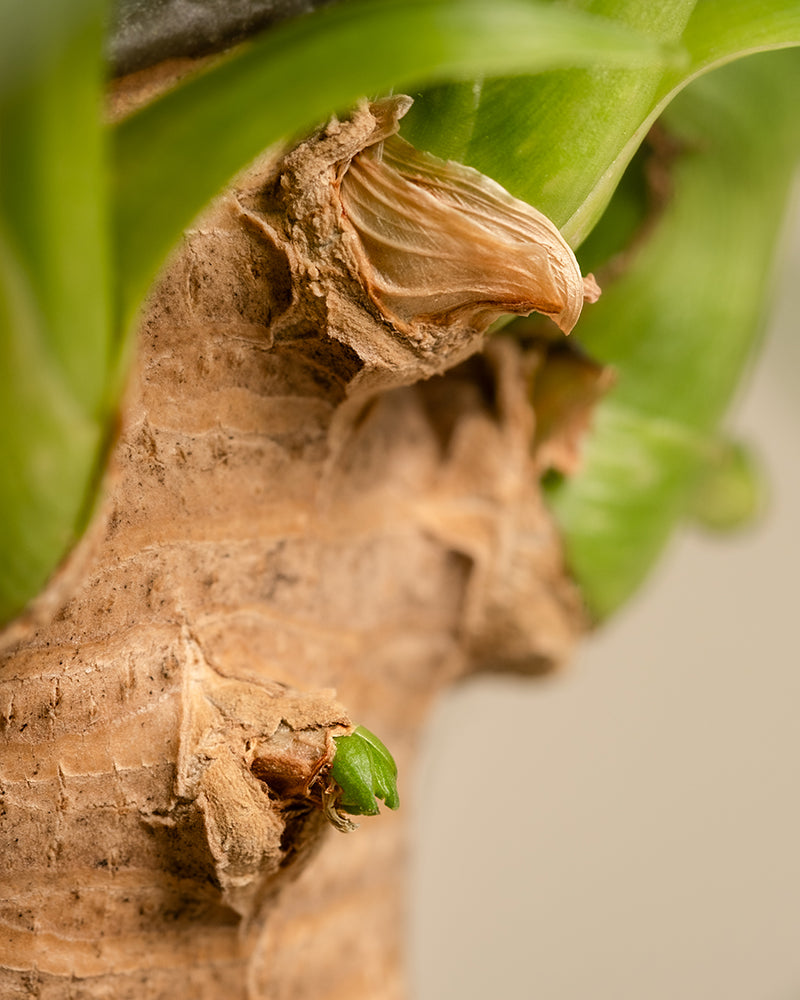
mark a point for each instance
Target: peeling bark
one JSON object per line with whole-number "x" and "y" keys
{"x": 313, "y": 518}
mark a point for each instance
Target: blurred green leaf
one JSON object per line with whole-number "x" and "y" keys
{"x": 55, "y": 337}
{"x": 731, "y": 489}
{"x": 681, "y": 323}
{"x": 32, "y": 37}
{"x": 53, "y": 203}
{"x": 174, "y": 155}
{"x": 48, "y": 446}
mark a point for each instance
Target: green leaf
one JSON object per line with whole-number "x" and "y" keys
{"x": 365, "y": 771}
{"x": 32, "y": 38}
{"x": 681, "y": 323}
{"x": 722, "y": 30}
{"x": 554, "y": 139}
{"x": 174, "y": 155}
{"x": 718, "y": 32}
{"x": 562, "y": 140}
{"x": 55, "y": 336}
{"x": 48, "y": 446}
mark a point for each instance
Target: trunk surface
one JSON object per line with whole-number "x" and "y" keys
{"x": 311, "y": 520}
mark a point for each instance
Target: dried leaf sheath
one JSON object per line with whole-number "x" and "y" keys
{"x": 438, "y": 242}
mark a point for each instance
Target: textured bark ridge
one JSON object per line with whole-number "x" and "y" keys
{"x": 312, "y": 519}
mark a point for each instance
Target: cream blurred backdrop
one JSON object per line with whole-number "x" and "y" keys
{"x": 630, "y": 829}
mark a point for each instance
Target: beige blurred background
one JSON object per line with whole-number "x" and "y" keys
{"x": 630, "y": 830}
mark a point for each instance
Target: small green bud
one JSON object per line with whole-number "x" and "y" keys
{"x": 365, "y": 771}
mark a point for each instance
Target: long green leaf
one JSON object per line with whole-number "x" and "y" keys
{"x": 55, "y": 336}
{"x": 31, "y": 38}
{"x": 48, "y": 445}
{"x": 718, "y": 32}
{"x": 173, "y": 156}
{"x": 722, "y": 30}
{"x": 682, "y": 322}
{"x": 554, "y": 139}
{"x": 562, "y": 140}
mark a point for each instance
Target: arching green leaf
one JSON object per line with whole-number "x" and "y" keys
{"x": 174, "y": 155}
{"x": 681, "y": 323}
